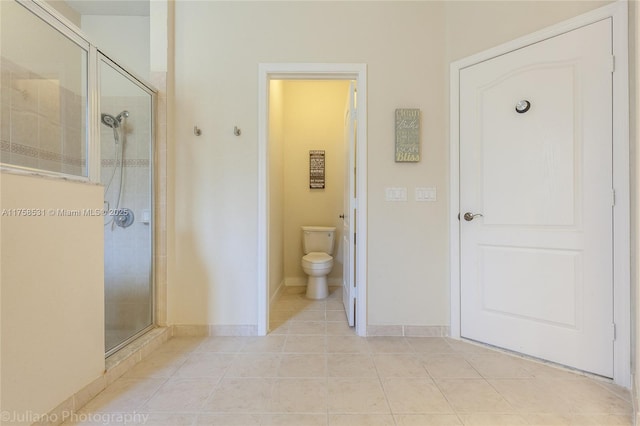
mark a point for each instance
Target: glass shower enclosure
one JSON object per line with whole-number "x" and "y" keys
{"x": 126, "y": 135}
{"x": 69, "y": 111}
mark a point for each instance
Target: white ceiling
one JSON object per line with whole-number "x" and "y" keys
{"x": 111, "y": 7}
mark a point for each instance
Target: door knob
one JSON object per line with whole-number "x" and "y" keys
{"x": 468, "y": 216}
{"x": 341, "y": 216}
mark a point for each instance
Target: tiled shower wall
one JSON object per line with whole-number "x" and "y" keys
{"x": 128, "y": 295}
{"x": 41, "y": 122}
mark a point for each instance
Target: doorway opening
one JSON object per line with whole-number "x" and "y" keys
{"x": 307, "y": 111}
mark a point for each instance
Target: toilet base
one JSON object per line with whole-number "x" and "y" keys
{"x": 317, "y": 288}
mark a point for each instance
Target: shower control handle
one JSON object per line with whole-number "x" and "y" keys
{"x": 468, "y": 216}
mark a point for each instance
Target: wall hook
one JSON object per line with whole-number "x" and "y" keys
{"x": 237, "y": 131}
{"x": 197, "y": 131}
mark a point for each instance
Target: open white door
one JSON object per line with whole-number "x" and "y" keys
{"x": 536, "y": 200}
{"x": 349, "y": 215}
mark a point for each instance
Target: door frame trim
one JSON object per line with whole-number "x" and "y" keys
{"x": 311, "y": 71}
{"x": 618, "y": 12}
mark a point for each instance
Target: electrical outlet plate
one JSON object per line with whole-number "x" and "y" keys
{"x": 395, "y": 194}
{"x": 426, "y": 194}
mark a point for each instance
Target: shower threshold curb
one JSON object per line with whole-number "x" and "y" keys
{"x": 115, "y": 366}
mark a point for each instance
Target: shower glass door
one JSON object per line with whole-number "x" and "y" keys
{"x": 126, "y": 113}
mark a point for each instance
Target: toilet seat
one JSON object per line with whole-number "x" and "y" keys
{"x": 316, "y": 257}
{"x": 317, "y": 265}
{"x": 317, "y": 260}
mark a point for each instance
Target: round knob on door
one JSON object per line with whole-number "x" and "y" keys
{"x": 341, "y": 216}
{"x": 468, "y": 216}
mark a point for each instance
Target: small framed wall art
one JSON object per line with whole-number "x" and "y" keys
{"x": 407, "y": 135}
{"x": 316, "y": 169}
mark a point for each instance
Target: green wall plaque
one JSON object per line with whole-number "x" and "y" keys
{"x": 407, "y": 135}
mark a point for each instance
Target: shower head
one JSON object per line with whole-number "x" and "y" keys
{"x": 110, "y": 121}
{"x": 114, "y": 122}
{"x": 123, "y": 114}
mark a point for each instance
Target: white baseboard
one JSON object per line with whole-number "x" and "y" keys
{"x": 302, "y": 282}
{"x": 206, "y": 330}
{"x": 189, "y": 330}
{"x": 276, "y": 294}
{"x": 408, "y": 330}
{"x": 295, "y": 281}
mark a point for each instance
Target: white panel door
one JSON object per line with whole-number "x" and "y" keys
{"x": 349, "y": 215}
{"x": 536, "y": 246}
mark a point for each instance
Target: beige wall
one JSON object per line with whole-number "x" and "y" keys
{"x": 213, "y": 243}
{"x": 213, "y": 279}
{"x": 474, "y": 26}
{"x": 313, "y": 119}
{"x": 158, "y": 44}
{"x": 212, "y": 180}
{"x": 52, "y": 293}
{"x": 276, "y": 186}
{"x": 125, "y": 39}
{"x": 67, "y": 12}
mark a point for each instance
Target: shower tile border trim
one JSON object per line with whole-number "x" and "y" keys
{"x": 41, "y": 154}
{"x": 129, "y": 162}
{"x": 29, "y": 151}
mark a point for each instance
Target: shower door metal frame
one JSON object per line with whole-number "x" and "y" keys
{"x": 149, "y": 89}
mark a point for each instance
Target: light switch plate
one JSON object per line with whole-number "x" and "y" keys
{"x": 426, "y": 194}
{"x": 395, "y": 194}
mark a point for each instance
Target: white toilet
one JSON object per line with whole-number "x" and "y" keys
{"x": 317, "y": 243}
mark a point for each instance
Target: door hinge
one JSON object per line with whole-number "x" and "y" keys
{"x": 355, "y": 311}
{"x": 613, "y": 330}
{"x": 354, "y": 238}
{"x": 613, "y": 63}
{"x": 613, "y": 197}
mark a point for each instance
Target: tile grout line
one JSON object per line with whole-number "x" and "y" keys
{"x": 375, "y": 349}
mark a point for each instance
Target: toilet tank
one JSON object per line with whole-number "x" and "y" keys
{"x": 318, "y": 239}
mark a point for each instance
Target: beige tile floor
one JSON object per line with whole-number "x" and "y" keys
{"x": 313, "y": 370}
